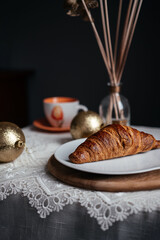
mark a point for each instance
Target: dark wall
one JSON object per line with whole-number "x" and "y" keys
{"x": 63, "y": 53}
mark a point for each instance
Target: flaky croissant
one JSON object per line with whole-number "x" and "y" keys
{"x": 113, "y": 141}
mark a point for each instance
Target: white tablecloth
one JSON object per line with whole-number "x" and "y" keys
{"x": 28, "y": 176}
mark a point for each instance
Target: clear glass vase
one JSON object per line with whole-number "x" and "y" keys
{"x": 115, "y": 108}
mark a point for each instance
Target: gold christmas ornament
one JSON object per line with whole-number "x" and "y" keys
{"x": 85, "y": 123}
{"x": 12, "y": 141}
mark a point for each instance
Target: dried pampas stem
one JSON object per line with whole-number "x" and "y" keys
{"x": 127, "y": 33}
{"x": 129, "y": 43}
{"x": 98, "y": 39}
{"x": 105, "y": 33}
{"x": 117, "y": 32}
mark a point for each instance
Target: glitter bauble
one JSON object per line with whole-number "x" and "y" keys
{"x": 12, "y": 141}
{"x": 85, "y": 123}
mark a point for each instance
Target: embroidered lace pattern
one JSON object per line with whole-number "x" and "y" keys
{"x": 28, "y": 176}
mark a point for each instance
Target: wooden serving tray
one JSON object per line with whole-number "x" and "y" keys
{"x": 110, "y": 183}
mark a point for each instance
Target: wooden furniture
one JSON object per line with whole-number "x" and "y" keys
{"x": 14, "y": 96}
{"x": 111, "y": 183}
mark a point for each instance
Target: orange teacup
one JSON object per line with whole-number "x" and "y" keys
{"x": 60, "y": 111}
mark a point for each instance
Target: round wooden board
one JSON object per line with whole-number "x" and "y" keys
{"x": 110, "y": 183}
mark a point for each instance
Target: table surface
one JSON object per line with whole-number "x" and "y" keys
{"x": 35, "y": 205}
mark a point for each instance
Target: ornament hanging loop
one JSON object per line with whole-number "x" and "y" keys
{"x": 19, "y": 144}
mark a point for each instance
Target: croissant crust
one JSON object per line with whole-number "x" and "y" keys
{"x": 113, "y": 141}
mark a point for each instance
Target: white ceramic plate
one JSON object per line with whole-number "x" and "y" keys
{"x": 138, "y": 163}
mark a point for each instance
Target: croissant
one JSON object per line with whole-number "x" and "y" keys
{"x": 113, "y": 141}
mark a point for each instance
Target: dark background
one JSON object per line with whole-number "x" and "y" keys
{"x": 44, "y": 52}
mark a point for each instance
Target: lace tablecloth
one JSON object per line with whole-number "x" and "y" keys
{"x": 28, "y": 175}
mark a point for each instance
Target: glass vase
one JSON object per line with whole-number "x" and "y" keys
{"x": 115, "y": 108}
